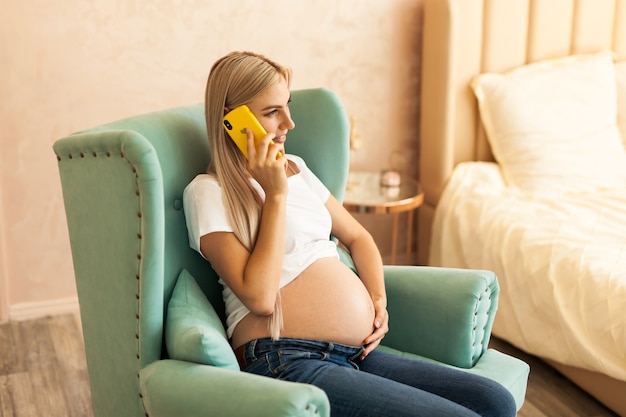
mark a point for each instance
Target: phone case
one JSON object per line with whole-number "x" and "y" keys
{"x": 235, "y": 123}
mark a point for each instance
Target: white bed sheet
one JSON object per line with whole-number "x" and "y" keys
{"x": 561, "y": 264}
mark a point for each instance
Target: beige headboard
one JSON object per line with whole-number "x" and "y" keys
{"x": 463, "y": 38}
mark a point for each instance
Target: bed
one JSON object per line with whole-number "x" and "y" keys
{"x": 523, "y": 167}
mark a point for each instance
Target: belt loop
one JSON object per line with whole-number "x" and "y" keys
{"x": 251, "y": 347}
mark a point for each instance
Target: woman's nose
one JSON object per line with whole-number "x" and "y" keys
{"x": 288, "y": 123}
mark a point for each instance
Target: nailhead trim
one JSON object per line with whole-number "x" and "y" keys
{"x": 138, "y": 273}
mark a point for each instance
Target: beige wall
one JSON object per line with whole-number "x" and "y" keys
{"x": 70, "y": 65}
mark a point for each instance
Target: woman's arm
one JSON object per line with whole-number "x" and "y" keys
{"x": 368, "y": 263}
{"x": 254, "y": 276}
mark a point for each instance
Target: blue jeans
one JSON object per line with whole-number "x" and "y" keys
{"x": 382, "y": 384}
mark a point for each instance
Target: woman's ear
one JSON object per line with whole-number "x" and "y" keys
{"x": 226, "y": 110}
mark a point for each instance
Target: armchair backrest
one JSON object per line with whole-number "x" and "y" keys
{"x": 122, "y": 187}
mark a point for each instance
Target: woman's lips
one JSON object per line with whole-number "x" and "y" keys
{"x": 280, "y": 139}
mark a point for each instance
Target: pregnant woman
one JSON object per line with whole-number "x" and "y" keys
{"x": 294, "y": 310}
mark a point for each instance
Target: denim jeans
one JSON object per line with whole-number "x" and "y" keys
{"x": 382, "y": 384}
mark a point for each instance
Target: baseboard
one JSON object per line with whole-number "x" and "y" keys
{"x": 36, "y": 310}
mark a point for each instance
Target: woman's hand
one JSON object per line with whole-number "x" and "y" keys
{"x": 264, "y": 165}
{"x": 381, "y": 327}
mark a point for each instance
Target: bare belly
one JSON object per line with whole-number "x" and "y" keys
{"x": 326, "y": 302}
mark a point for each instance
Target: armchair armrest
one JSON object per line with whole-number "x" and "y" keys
{"x": 173, "y": 388}
{"x": 441, "y": 313}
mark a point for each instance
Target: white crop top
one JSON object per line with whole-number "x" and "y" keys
{"x": 308, "y": 226}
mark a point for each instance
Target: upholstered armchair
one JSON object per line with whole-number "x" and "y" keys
{"x": 122, "y": 187}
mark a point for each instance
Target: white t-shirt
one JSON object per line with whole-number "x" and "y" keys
{"x": 307, "y": 235}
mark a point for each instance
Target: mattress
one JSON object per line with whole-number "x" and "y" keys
{"x": 561, "y": 264}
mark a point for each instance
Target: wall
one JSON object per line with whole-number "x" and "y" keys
{"x": 74, "y": 64}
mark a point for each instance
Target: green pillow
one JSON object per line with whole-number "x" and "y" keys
{"x": 193, "y": 330}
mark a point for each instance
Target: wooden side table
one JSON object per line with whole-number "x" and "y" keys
{"x": 365, "y": 194}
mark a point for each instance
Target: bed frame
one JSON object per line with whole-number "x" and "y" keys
{"x": 462, "y": 38}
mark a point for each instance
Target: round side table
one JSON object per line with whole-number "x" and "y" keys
{"x": 365, "y": 194}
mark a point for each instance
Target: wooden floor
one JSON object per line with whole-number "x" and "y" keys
{"x": 43, "y": 373}
{"x": 43, "y": 370}
{"x": 549, "y": 394}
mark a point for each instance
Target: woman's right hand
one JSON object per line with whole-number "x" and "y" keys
{"x": 264, "y": 165}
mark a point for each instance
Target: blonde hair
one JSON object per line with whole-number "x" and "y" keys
{"x": 235, "y": 80}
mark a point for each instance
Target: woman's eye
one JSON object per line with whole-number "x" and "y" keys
{"x": 272, "y": 113}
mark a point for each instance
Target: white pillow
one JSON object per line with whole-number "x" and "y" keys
{"x": 552, "y": 125}
{"x": 620, "y": 74}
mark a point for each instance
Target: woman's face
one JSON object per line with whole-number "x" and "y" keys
{"x": 271, "y": 108}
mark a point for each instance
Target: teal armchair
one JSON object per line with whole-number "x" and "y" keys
{"x": 122, "y": 187}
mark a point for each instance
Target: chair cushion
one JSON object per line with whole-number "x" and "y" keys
{"x": 193, "y": 330}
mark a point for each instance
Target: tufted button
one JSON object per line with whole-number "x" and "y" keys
{"x": 178, "y": 204}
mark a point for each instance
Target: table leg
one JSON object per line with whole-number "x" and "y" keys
{"x": 409, "y": 236}
{"x": 394, "y": 238}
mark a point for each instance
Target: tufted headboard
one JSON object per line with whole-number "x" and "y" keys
{"x": 463, "y": 38}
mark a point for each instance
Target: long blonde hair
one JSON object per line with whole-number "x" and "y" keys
{"x": 235, "y": 80}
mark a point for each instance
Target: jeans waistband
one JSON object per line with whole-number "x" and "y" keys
{"x": 259, "y": 347}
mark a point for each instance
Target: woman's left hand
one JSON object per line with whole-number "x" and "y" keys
{"x": 381, "y": 327}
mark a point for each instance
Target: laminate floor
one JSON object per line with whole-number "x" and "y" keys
{"x": 550, "y": 394}
{"x": 43, "y": 370}
{"x": 43, "y": 373}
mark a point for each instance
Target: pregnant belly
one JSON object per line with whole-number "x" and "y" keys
{"x": 326, "y": 302}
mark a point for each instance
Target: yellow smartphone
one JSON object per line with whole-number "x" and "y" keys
{"x": 237, "y": 121}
